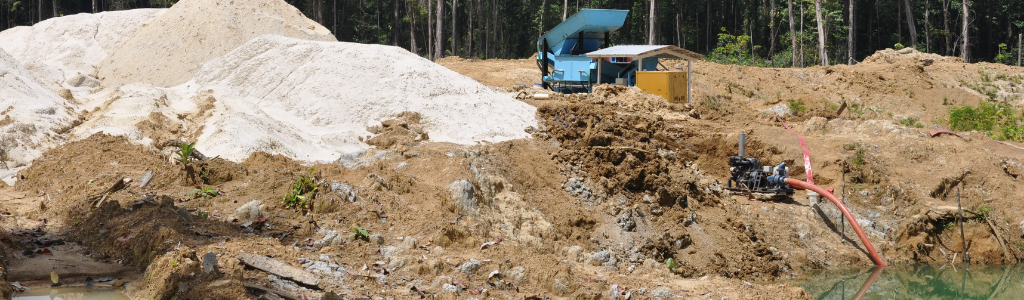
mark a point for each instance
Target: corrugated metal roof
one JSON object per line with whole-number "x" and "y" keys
{"x": 643, "y": 51}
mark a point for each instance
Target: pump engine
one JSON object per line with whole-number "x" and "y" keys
{"x": 749, "y": 175}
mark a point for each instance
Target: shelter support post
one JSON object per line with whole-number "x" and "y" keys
{"x": 599, "y": 70}
{"x": 689, "y": 75}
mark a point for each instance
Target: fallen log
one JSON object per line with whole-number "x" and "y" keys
{"x": 279, "y": 268}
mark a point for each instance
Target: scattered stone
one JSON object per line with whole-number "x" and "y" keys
{"x": 250, "y": 211}
{"x": 517, "y": 274}
{"x": 661, "y": 293}
{"x": 209, "y": 263}
{"x": 578, "y": 188}
{"x": 344, "y": 190}
{"x": 574, "y": 254}
{"x": 279, "y": 268}
{"x": 470, "y": 267}
{"x": 377, "y": 238}
{"x": 330, "y": 238}
{"x": 462, "y": 192}
{"x": 331, "y": 296}
{"x": 600, "y": 258}
{"x": 448, "y": 288}
{"x": 613, "y": 292}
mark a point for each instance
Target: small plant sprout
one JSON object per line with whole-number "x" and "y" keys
{"x": 185, "y": 153}
{"x": 358, "y": 233}
{"x": 303, "y": 191}
{"x": 203, "y": 192}
{"x": 671, "y": 264}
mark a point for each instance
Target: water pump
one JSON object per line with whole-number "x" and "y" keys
{"x": 748, "y": 175}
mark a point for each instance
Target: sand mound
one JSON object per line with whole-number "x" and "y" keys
{"x": 170, "y": 50}
{"x": 908, "y": 56}
{"x": 32, "y": 116}
{"x": 314, "y": 100}
{"x": 66, "y": 50}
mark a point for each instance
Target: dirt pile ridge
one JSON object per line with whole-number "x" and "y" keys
{"x": 65, "y": 51}
{"x": 170, "y": 50}
{"x": 32, "y": 117}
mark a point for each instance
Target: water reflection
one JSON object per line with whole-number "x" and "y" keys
{"x": 917, "y": 282}
{"x": 76, "y": 293}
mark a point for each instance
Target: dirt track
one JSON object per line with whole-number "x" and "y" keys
{"x": 611, "y": 185}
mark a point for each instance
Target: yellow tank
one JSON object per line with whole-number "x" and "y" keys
{"x": 670, "y": 85}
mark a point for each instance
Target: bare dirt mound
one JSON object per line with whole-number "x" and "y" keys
{"x": 65, "y": 51}
{"x": 495, "y": 72}
{"x": 170, "y": 50}
{"x": 32, "y": 117}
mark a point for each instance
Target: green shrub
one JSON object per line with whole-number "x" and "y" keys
{"x": 911, "y": 122}
{"x": 998, "y": 121}
{"x": 797, "y": 107}
{"x": 302, "y": 192}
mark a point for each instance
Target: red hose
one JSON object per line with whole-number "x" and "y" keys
{"x": 797, "y": 184}
{"x": 807, "y": 153}
{"x": 867, "y": 284}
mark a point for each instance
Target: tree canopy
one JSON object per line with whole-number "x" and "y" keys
{"x": 751, "y": 32}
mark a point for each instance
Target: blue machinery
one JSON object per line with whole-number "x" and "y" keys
{"x": 564, "y": 49}
{"x": 576, "y": 54}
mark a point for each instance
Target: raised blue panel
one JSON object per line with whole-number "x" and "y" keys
{"x": 594, "y": 23}
{"x": 570, "y": 67}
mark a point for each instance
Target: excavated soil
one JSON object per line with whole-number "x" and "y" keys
{"x": 610, "y": 186}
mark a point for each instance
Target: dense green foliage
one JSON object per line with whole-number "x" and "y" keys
{"x": 998, "y": 121}
{"x": 750, "y": 32}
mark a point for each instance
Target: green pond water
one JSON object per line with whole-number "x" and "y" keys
{"x": 916, "y": 282}
{"x": 74, "y": 293}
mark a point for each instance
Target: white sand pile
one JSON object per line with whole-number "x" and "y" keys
{"x": 66, "y": 50}
{"x": 31, "y": 116}
{"x": 313, "y": 100}
{"x": 170, "y": 50}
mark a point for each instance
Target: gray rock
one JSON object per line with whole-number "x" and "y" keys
{"x": 470, "y": 267}
{"x": 613, "y": 292}
{"x": 578, "y": 188}
{"x": 209, "y": 263}
{"x": 448, "y": 288}
{"x": 661, "y": 293}
{"x": 377, "y": 238}
{"x": 462, "y": 192}
{"x": 600, "y": 258}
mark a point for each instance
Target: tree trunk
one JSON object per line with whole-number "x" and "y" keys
{"x": 802, "y": 64}
{"x": 93, "y": 6}
{"x": 439, "y": 37}
{"x": 55, "y": 8}
{"x": 945, "y": 25}
{"x": 927, "y": 30}
{"x": 821, "y": 33}
{"x": 650, "y": 37}
{"x": 679, "y": 34}
{"x": 410, "y": 9}
{"x": 963, "y": 50}
{"x": 910, "y": 23}
{"x": 394, "y": 26}
{"x": 455, "y": 10}
{"x": 543, "y": 9}
{"x": 773, "y": 29}
{"x": 565, "y": 9}
{"x": 792, "y": 33}
{"x": 430, "y": 29}
{"x": 850, "y": 39}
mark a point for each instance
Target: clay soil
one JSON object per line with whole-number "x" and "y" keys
{"x": 611, "y": 186}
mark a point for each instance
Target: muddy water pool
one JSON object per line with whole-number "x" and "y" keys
{"x": 916, "y": 282}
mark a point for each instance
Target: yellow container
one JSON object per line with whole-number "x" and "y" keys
{"x": 670, "y": 85}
